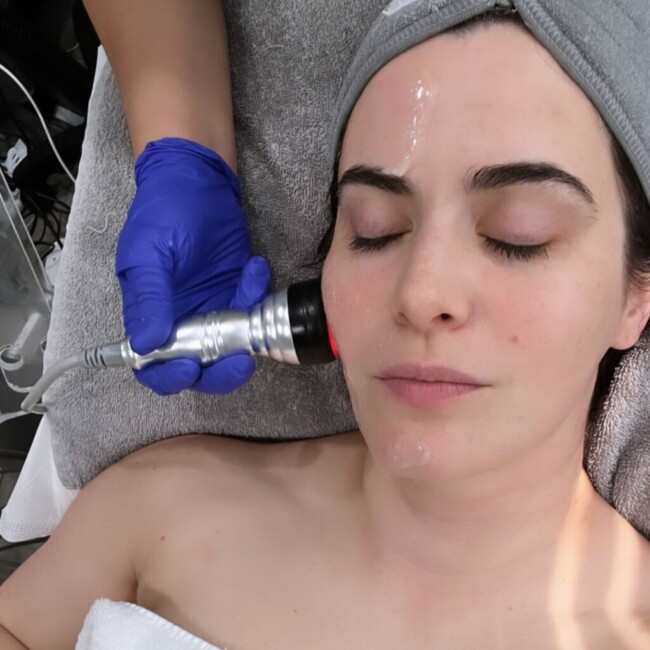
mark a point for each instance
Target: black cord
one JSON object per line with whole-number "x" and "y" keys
{"x": 45, "y": 217}
{"x": 43, "y": 195}
{"x": 12, "y": 453}
{"x": 34, "y": 221}
{"x": 51, "y": 220}
{"x": 27, "y": 542}
{"x": 31, "y": 227}
{"x": 47, "y": 251}
{"x": 55, "y": 212}
{"x": 40, "y": 240}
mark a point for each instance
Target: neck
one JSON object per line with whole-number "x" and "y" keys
{"x": 523, "y": 520}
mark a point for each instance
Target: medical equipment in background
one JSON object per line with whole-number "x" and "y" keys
{"x": 25, "y": 302}
{"x": 47, "y": 58}
{"x": 288, "y": 326}
{"x": 36, "y": 70}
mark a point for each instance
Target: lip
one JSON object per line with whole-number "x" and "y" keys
{"x": 424, "y": 386}
{"x": 430, "y": 374}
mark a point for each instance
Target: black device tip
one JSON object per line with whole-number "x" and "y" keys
{"x": 308, "y": 323}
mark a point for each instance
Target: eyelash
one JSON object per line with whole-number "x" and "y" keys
{"x": 372, "y": 244}
{"x": 516, "y": 251}
{"x": 524, "y": 253}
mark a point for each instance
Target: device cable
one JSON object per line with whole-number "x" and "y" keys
{"x": 27, "y": 94}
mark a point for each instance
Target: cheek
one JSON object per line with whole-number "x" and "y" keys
{"x": 351, "y": 303}
{"x": 561, "y": 321}
{"x": 355, "y": 295}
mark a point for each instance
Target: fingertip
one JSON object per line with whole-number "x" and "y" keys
{"x": 261, "y": 271}
{"x": 171, "y": 377}
{"x": 148, "y": 334}
{"x": 226, "y": 375}
{"x": 148, "y": 307}
{"x": 259, "y": 267}
{"x": 254, "y": 283}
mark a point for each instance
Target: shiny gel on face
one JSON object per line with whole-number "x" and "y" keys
{"x": 395, "y": 137}
{"x": 422, "y": 102}
{"x": 408, "y": 451}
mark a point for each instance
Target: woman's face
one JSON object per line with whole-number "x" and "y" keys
{"x": 456, "y": 146}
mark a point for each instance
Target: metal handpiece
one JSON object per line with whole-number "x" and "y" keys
{"x": 265, "y": 331}
{"x": 289, "y": 326}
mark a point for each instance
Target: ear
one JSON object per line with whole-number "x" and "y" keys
{"x": 635, "y": 317}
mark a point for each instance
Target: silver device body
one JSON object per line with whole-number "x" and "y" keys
{"x": 265, "y": 331}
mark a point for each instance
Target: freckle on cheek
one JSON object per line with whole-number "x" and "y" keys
{"x": 514, "y": 338}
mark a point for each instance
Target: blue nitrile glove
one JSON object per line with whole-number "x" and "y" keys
{"x": 185, "y": 249}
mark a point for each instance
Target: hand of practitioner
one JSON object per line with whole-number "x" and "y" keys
{"x": 185, "y": 249}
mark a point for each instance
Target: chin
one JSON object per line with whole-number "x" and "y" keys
{"x": 416, "y": 451}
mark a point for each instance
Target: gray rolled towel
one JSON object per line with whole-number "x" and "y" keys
{"x": 288, "y": 60}
{"x": 617, "y": 449}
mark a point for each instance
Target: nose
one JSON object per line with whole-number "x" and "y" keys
{"x": 434, "y": 287}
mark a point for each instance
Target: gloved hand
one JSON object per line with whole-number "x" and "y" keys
{"x": 185, "y": 249}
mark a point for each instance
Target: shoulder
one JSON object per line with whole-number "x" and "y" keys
{"x": 210, "y": 457}
{"x": 176, "y": 471}
{"x": 637, "y": 570}
{"x": 623, "y": 618}
{"x": 196, "y": 494}
{"x": 218, "y": 471}
{"x": 195, "y": 459}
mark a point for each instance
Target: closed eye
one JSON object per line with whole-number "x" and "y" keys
{"x": 516, "y": 251}
{"x": 372, "y": 244}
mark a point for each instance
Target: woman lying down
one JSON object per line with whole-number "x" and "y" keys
{"x": 491, "y": 245}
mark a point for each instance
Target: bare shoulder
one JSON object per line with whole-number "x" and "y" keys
{"x": 640, "y": 577}
{"x": 195, "y": 468}
{"x": 626, "y": 600}
{"x": 210, "y": 497}
{"x": 201, "y": 455}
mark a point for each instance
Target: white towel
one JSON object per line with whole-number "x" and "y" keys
{"x": 112, "y": 625}
{"x": 39, "y": 499}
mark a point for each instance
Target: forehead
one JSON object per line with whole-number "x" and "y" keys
{"x": 493, "y": 92}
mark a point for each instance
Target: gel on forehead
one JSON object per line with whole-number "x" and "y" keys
{"x": 603, "y": 46}
{"x": 421, "y": 98}
{"x": 394, "y": 137}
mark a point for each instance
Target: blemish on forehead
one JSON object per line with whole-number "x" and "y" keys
{"x": 514, "y": 338}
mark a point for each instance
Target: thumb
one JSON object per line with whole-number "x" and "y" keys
{"x": 148, "y": 306}
{"x": 253, "y": 284}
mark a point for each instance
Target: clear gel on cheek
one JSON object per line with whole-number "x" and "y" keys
{"x": 422, "y": 102}
{"x": 407, "y": 451}
{"x": 330, "y": 296}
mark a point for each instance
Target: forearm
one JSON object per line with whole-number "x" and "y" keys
{"x": 9, "y": 642}
{"x": 170, "y": 58}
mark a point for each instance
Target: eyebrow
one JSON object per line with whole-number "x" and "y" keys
{"x": 499, "y": 176}
{"x": 486, "y": 178}
{"x": 376, "y": 177}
